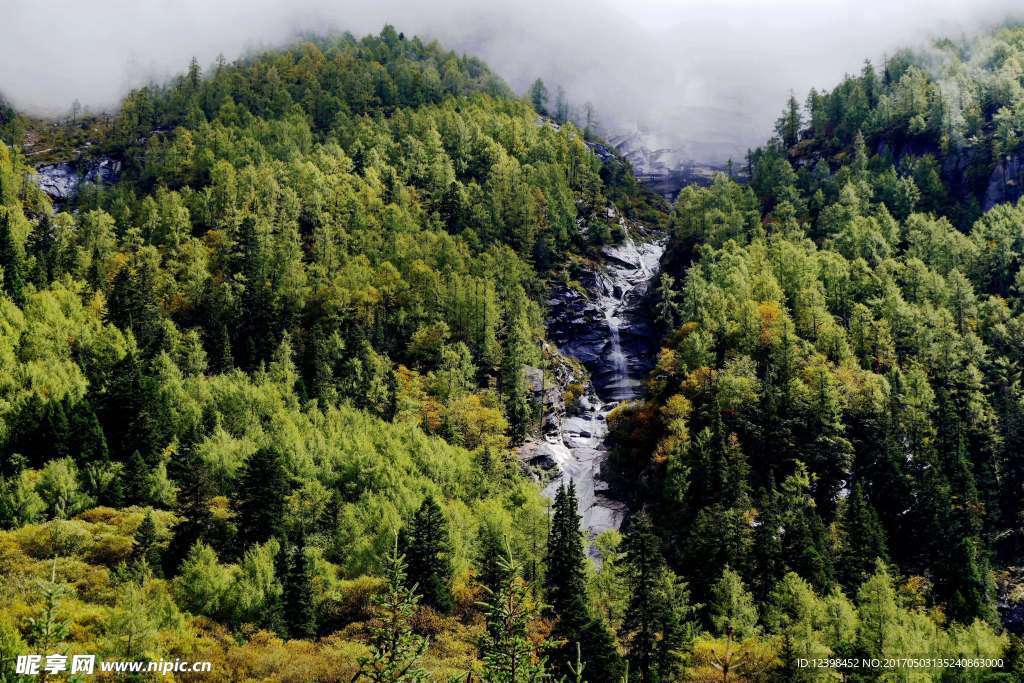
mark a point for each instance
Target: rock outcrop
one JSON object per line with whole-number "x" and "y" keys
{"x": 63, "y": 181}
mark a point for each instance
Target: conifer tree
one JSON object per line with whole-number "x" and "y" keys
{"x": 788, "y": 125}
{"x": 49, "y": 628}
{"x": 864, "y": 541}
{"x": 11, "y": 259}
{"x": 879, "y": 614}
{"x": 299, "y": 613}
{"x": 516, "y": 353}
{"x": 144, "y": 546}
{"x": 490, "y": 550}
{"x": 732, "y": 609}
{"x": 395, "y": 650}
{"x": 566, "y": 584}
{"x": 426, "y": 544}
{"x": 539, "y": 96}
{"x": 642, "y": 623}
{"x": 260, "y": 501}
{"x": 582, "y": 635}
{"x": 136, "y": 480}
{"x": 508, "y": 654}
{"x": 195, "y": 520}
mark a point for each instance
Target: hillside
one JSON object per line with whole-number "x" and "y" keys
{"x": 272, "y": 342}
{"x": 289, "y": 327}
{"x": 839, "y": 384}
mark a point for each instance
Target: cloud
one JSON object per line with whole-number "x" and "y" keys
{"x": 706, "y": 75}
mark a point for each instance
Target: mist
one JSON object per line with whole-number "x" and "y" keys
{"x": 706, "y": 77}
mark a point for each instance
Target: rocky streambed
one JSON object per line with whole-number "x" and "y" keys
{"x": 607, "y": 330}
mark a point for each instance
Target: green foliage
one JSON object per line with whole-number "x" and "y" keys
{"x": 297, "y": 582}
{"x": 508, "y": 654}
{"x": 426, "y": 542}
{"x": 395, "y": 651}
{"x": 585, "y": 639}
{"x": 262, "y": 489}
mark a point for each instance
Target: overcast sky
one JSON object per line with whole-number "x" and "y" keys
{"x": 691, "y": 72}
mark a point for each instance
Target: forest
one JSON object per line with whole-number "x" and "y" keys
{"x": 260, "y": 398}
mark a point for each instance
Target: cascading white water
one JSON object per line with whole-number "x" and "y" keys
{"x": 617, "y": 369}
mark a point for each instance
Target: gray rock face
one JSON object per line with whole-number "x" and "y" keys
{"x": 607, "y": 331}
{"x": 1006, "y": 184}
{"x": 604, "y": 329}
{"x": 60, "y": 181}
{"x": 63, "y": 181}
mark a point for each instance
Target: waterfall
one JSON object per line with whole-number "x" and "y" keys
{"x": 610, "y": 335}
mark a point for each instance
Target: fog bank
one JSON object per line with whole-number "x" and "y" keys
{"x": 705, "y": 75}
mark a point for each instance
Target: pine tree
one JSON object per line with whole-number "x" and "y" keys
{"x": 12, "y": 261}
{"x": 144, "y": 546}
{"x": 90, "y": 443}
{"x": 508, "y": 654}
{"x": 667, "y": 308}
{"x": 864, "y": 541}
{"x": 644, "y": 565}
{"x": 788, "y": 125}
{"x": 539, "y": 97}
{"x": 490, "y": 550}
{"x": 136, "y": 476}
{"x": 561, "y": 105}
{"x": 517, "y": 352}
{"x": 879, "y": 614}
{"x": 260, "y": 501}
{"x": 733, "y": 612}
{"x": 299, "y": 614}
{"x": 582, "y": 635}
{"x": 48, "y": 629}
{"x": 426, "y": 544}
{"x": 566, "y": 583}
{"x": 395, "y": 650}
{"x": 192, "y": 509}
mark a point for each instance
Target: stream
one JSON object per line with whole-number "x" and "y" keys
{"x": 608, "y": 332}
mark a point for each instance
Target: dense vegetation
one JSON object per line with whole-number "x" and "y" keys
{"x": 291, "y": 335}
{"x": 258, "y": 397}
{"x": 838, "y": 400}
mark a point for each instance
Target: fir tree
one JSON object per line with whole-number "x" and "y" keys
{"x": 12, "y": 261}
{"x": 644, "y": 565}
{"x": 864, "y": 540}
{"x": 426, "y": 545}
{"x": 395, "y": 650}
{"x": 581, "y": 634}
{"x": 299, "y": 614}
{"x": 566, "y": 583}
{"x": 733, "y": 612}
{"x": 195, "y": 520}
{"x": 788, "y": 125}
{"x": 539, "y": 96}
{"x": 90, "y": 444}
{"x": 508, "y": 654}
{"x": 49, "y": 628}
{"x": 260, "y": 501}
{"x": 144, "y": 545}
{"x": 136, "y": 476}
{"x": 490, "y": 550}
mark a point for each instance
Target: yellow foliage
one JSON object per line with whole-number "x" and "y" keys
{"x": 700, "y": 381}
{"x": 771, "y": 314}
{"x": 724, "y": 660}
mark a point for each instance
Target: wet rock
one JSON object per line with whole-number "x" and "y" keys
{"x": 606, "y": 329}
{"x": 63, "y": 181}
